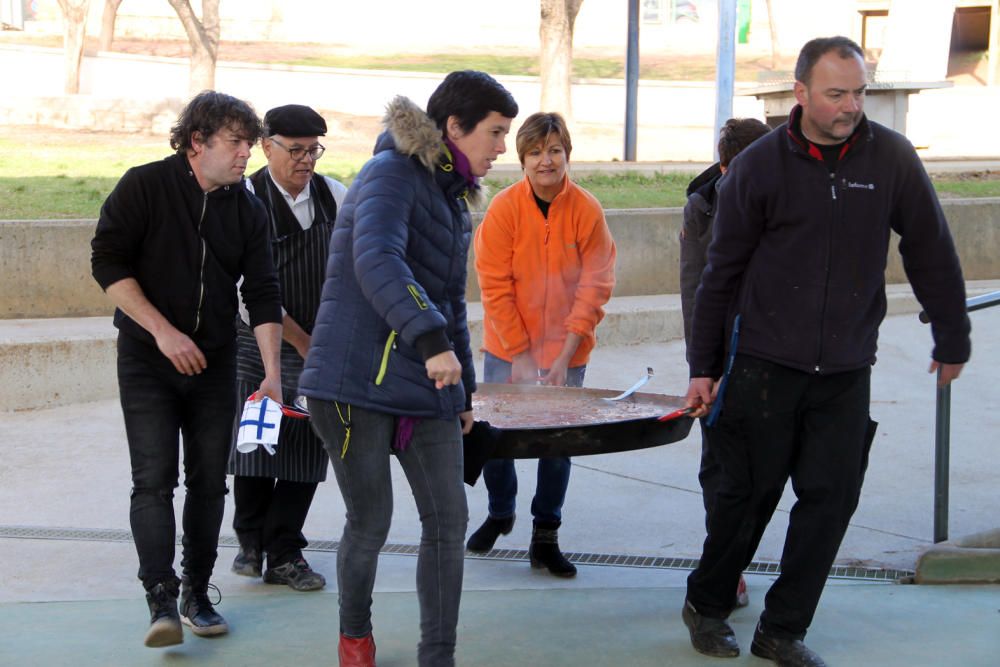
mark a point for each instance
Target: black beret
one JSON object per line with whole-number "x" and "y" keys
{"x": 294, "y": 120}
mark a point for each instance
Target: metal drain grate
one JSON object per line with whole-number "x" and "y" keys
{"x": 614, "y": 560}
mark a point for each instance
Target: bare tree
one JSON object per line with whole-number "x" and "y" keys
{"x": 556, "y": 34}
{"x": 203, "y": 35}
{"x": 74, "y": 30}
{"x": 773, "y": 25}
{"x": 108, "y": 23}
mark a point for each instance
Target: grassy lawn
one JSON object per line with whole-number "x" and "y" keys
{"x": 69, "y": 174}
{"x": 661, "y": 69}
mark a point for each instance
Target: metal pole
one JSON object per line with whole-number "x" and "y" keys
{"x": 725, "y": 69}
{"x": 632, "y": 80}
{"x": 942, "y": 450}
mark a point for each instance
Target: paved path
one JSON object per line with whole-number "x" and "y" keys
{"x": 67, "y": 468}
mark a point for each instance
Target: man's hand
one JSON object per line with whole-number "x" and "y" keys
{"x": 700, "y": 395}
{"x": 445, "y": 369}
{"x": 948, "y": 373}
{"x": 466, "y": 418}
{"x": 182, "y": 352}
{"x": 523, "y": 369}
{"x": 172, "y": 343}
{"x": 270, "y": 387}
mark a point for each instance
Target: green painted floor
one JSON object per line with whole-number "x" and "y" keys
{"x": 881, "y": 625}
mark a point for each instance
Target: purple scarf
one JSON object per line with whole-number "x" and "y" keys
{"x": 461, "y": 163}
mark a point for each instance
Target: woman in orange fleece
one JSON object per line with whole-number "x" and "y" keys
{"x": 546, "y": 266}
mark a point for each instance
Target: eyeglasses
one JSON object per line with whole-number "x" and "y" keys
{"x": 298, "y": 153}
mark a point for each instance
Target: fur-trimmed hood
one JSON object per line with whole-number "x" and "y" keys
{"x": 411, "y": 132}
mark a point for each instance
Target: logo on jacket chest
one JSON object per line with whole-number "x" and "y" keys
{"x": 855, "y": 185}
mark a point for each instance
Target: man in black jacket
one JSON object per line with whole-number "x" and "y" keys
{"x": 172, "y": 241}
{"x": 785, "y": 327}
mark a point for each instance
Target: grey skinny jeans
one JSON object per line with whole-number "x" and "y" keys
{"x": 433, "y": 466}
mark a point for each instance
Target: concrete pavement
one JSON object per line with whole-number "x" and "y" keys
{"x": 66, "y": 468}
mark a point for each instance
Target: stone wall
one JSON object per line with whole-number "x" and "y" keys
{"x": 45, "y": 265}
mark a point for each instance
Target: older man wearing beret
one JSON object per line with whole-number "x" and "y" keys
{"x": 273, "y": 493}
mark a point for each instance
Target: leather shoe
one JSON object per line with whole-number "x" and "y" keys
{"x": 784, "y": 652}
{"x": 356, "y": 651}
{"x": 711, "y": 636}
{"x": 486, "y": 535}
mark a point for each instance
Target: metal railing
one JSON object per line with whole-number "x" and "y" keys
{"x": 942, "y": 430}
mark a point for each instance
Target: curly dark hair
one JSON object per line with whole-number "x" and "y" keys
{"x": 471, "y": 95}
{"x": 210, "y": 111}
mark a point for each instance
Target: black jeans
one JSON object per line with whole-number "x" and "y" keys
{"x": 158, "y": 403}
{"x": 270, "y": 514}
{"x": 778, "y": 423}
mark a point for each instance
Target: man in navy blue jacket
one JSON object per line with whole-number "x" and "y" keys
{"x": 785, "y": 329}
{"x": 173, "y": 239}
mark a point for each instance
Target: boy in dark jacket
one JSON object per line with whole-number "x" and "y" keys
{"x": 173, "y": 239}
{"x": 785, "y": 326}
{"x": 696, "y": 234}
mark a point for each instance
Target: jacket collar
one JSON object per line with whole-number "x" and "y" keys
{"x": 411, "y": 132}
{"x": 798, "y": 141}
{"x": 183, "y": 166}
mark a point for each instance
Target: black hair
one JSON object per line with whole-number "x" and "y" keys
{"x": 210, "y": 111}
{"x": 737, "y": 134}
{"x": 471, "y": 96}
{"x": 815, "y": 49}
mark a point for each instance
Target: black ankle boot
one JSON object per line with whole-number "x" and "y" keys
{"x": 197, "y": 611}
{"x": 544, "y": 550}
{"x": 164, "y": 621}
{"x": 486, "y": 536}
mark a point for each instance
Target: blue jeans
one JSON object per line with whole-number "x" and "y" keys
{"x": 553, "y": 473}
{"x": 433, "y": 466}
{"x": 158, "y": 403}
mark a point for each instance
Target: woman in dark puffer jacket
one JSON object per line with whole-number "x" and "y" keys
{"x": 390, "y": 367}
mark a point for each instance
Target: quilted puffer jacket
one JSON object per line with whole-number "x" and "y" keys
{"x": 394, "y": 293}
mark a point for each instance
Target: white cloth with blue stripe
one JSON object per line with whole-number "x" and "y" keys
{"x": 259, "y": 425}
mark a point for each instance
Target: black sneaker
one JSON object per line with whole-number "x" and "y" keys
{"x": 248, "y": 562}
{"x": 164, "y": 621}
{"x": 296, "y": 574}
{"x": 198, "y": 613}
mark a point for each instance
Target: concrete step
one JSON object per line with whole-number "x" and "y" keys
{"x": 59, "y": 361}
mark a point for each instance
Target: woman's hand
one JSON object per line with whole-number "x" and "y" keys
{"x": 444, "y": 368}
{"x": 467, "y": 421}
{"x": 557, "y": 374}
{"x": 523, "y": 369}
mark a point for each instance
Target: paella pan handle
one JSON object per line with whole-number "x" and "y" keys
{"x": 683, "y": 412}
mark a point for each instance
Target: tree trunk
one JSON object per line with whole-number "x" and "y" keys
{"x": 556, "y": 34}
{"x": 75, "y": 20}
{"x": 773, "y": 25}
{"x": 108, "y": 23}
{"x": 203, "y": 36}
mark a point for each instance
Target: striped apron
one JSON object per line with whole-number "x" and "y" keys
{"x": 300, "y": 260}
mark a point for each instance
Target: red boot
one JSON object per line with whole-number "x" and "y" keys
{"x": 356, "y": 652}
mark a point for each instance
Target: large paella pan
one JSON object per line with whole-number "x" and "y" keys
{"x": 540, "y": 421}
